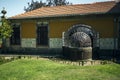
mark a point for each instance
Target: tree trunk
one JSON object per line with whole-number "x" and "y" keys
{"x": 4, "y": 45}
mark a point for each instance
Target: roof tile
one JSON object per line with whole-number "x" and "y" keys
{"x": 99, "y": 7}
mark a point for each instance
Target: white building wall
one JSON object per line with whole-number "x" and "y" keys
{"x": 28, "y": 43}
{"x": 103, "y": 43}
{"x": 107, "y": 43}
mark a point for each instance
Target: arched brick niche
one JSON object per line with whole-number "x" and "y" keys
{"x": 78, "y": 42}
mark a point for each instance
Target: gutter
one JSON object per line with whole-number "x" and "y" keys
{"x": 63, "y": 16}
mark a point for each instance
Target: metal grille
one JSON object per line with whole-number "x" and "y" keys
{"x": 15, "y": 38}
{"x": 42, "y": 35}
{"x": 80, "y": 39}
{"x": 80, "y": 36}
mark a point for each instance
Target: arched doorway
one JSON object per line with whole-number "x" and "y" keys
{"x": 78, "y": 42}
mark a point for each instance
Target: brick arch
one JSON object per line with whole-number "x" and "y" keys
{"x": 86, "y": 29}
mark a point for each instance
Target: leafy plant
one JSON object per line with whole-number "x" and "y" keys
{"x": 5, "y": 29}
{"x": 5, "y": 32}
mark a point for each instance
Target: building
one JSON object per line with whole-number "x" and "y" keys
{"x": 41, "y": 31}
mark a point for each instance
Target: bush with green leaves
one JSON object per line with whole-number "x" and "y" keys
{"x": 5, "y": 29}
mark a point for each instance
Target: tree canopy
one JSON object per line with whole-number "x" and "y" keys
{"x": 34, "y": 5}
{"x": 57, "y": 2}
{"x": 38, "y": 4}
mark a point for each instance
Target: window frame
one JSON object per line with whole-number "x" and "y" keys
{"x": 39, "y": 25}
{"x": 16, "y": 25}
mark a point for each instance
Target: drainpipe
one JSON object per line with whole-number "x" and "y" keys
{"x": 118, "y": 32}
{"x": 63, "y": 39}
{"x": 115, "y": 37}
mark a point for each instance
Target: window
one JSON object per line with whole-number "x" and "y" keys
{"x": 15, "y": 38}
{"x": 42, "y": 34}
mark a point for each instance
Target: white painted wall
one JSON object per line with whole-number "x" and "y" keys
{"x": 107, "y": 43}
{"x": 55, "y": 43}
{"x": 28, "y": 42}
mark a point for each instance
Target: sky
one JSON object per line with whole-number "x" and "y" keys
{"x": 14, "y": 7}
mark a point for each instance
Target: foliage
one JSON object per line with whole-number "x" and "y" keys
{"x": 38, "y": 4}
{"x": 5, "y": 29}
{"x": 57, "y": 2}
{"x": 34, "y": 5}
{"x": 32, "y": 69}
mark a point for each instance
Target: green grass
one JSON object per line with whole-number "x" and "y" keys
{"x": 32, "y": 69}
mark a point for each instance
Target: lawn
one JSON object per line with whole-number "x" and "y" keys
{"x": 42, "y": 69}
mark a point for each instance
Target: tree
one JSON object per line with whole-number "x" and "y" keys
{"x": 38, "y": 4}
{"x": 5, "y": 32}
{"x": 5, "y": 29}
{"x": 34, "y": 5}
{"x": 57, "y": 2}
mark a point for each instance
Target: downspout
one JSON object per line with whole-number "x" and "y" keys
{"x": 118, "y": 24}
{"x": 115, "y": 37}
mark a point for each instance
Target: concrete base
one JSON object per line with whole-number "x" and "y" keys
{"x": 68, "y": 53}
{"x": 33, "y": 51}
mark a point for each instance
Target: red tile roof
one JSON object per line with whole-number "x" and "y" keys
{"x": 79, "y": 9}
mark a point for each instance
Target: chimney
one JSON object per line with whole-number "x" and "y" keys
{"x": 117, "y": 1}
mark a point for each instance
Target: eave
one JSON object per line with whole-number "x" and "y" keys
{"x": 67, "y": 16}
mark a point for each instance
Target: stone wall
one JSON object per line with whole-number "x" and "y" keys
{"x": 107, "y": 43}
{"x": 28, "y": 43}
{"x": 55, "y": 43}
{"x": 28, "y": 46}
{"x": 102, "y": 43}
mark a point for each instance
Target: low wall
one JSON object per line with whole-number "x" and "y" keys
{"x": 33, "y": 51}
{"x": 105, "y": 54}
{"x": 97, "y": 54}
